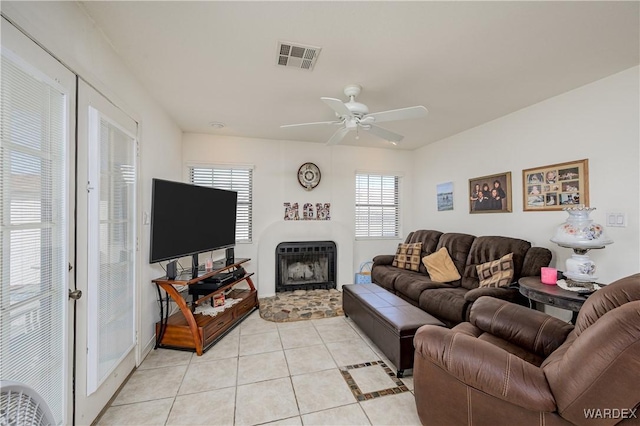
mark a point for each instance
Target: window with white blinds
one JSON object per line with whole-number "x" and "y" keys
{"x": 232, "y": 179}
{"x": 377, "y": 206}
{"x": 33, "y": 230}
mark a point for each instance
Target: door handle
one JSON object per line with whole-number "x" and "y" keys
{"x": 75, "y": 294}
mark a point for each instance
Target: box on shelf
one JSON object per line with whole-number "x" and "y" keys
{"x": 218, "y": 300}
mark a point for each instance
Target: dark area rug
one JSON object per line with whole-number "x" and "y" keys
{"x": 301, "y": 305}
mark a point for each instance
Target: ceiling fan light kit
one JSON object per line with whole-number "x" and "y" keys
{"x": 354, "y": 115}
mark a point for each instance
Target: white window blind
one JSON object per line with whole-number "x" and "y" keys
{"x": 112, "y": 236}
{"x": 33, "y": 230}
{"x": 231, "y": 179}
{"x": 377, "y": 206}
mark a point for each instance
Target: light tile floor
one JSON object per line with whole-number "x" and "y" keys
{"x": 269, "y": 373}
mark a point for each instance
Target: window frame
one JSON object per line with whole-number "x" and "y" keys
{"x": 397, "y": 177}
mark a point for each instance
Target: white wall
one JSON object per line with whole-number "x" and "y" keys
{"x": 64, "y": 29}
{"x": 275, "y": 182}
{"x": 599, "y": 121}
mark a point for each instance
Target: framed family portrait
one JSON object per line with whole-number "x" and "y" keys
{"x": 556, "y": 186}
{"x": 490, "y": 194}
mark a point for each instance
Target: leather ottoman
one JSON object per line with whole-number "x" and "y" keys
{"x": 389, "y": 321}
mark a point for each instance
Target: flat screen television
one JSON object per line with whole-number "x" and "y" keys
{"x": 189, "y": 219}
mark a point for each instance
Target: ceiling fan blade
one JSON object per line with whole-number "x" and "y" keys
{"x": 383, "y": 133}
{"x": 338, "y": 136}
{"x": 311, "y": 124}
{"x": 408, "y": 113}
{"x": 337, "y": 105}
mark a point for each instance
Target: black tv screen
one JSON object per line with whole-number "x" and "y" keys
{"x": 188, "y": 219}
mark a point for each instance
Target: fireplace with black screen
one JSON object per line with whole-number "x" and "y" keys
{"x": 305, "y": 265}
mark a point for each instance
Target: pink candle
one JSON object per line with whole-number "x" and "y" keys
{"x": 549, "y": 276}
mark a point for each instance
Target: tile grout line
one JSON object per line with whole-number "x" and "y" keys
{"x": 315, "y": 326}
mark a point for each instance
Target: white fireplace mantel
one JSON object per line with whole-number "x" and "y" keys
{"x": 303, "y": 230}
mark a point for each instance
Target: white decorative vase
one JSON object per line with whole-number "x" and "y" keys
{"x": 580, "y": 268}
{"x": 580, "y": 234}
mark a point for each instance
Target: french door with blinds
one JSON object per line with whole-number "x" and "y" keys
{"x": 36, "y": 222}
{"x": 64, "y": 228}
{"x": 107, "y": 170}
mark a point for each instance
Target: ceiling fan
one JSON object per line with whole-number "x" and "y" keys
{"x": 354, "y": 115}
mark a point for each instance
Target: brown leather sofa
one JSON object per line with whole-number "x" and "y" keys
{"x": 511, "y": 365}
{"x": 451, "y": 302}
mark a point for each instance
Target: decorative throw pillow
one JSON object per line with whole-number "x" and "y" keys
{"x": 408, "y": 256}
{"x": 440, "y": 266}
{"x": 498, "y": 273}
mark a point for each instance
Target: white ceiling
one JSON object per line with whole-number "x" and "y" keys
{"x": 467, "y": 62}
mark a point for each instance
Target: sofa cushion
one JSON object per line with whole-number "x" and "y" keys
{"x": 408, "y": 256}
{"x": 489, "y": 248}
{"x": 429, "y": 239}
{"x": 498, "y": 273}
{"x": 447, "y": 304}
{"x": 440, "y": 266}
{"x": 458, "y": 246}
{"x": 409, "y": 285}
{"x": 386, "y": 275}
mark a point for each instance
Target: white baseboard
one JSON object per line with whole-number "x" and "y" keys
{"x": 144, "y": 351}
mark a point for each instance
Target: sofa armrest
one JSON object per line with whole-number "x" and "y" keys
{"x": 504, "y": 293}
{"x": 532, "y": 330}
{"x": 383, "y": 259}
{"x": 486, "y": 367}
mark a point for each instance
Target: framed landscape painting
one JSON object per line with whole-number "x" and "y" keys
{"x": 490, "y": 194}
{"x": 556, "y": 186}
{"x": 445, "y": 196}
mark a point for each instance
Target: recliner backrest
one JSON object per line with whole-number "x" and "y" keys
{"x": 458, "y": 245}
{"x": 610, "y": 297}
{"x": 429, "y": 240}
{"x": 490, "y": 248}
{"x": 598, "y": 368}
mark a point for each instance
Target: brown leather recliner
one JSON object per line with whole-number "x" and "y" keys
{"x": 511, "y": 365}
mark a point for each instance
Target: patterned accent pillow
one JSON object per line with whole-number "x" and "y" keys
{"x": 408, "y": 256}
{"x": 498, "y": 273}
{"x": 440, "y": 267}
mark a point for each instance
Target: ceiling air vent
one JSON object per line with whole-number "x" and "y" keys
{"x": 297, "y": 55}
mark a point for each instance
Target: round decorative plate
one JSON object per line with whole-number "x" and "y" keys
{"x": 309, "y": 176}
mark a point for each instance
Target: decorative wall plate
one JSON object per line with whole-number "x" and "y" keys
{"x": 309, "y": 176}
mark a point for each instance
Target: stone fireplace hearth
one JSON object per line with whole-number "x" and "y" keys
{"x": 305, "y": 265}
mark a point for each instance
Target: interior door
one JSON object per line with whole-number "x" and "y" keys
{"x": 37, "y": 184}
{"x": 106, "y": 242}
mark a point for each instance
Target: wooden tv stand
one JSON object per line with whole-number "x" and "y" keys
{"x": 196, "y": 332}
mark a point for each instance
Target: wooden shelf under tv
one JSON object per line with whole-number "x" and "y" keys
{"x": 196, "y": 332}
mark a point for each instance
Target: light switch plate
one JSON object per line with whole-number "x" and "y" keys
{"x": 616, "y": 219}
